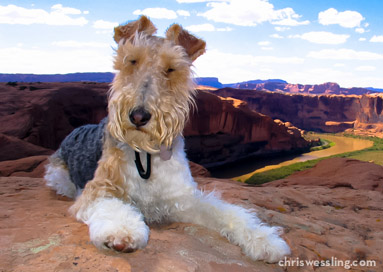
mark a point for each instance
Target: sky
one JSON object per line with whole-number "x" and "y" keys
{"x": 300, "y": 41}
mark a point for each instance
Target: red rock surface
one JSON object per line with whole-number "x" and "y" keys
{"x": 320, "y": 222}
{"x": 13, "y": 148}
{"x": 338, "y": 172}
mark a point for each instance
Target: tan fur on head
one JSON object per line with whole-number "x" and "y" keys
{"x": 143, "y": 25}
{"x": 153, "y": 73}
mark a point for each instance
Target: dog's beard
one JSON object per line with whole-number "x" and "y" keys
{"x": 151, "y": 138}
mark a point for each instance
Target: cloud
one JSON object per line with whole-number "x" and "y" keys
{"x": 348, "y": 18}
{"x": 39, "y": 61}
{"x": 281, "y": 28}
{"x": 362, "y": 39}
{"x": 207, "y": 28}
{"x": 229, "y": 67}
{"x": 76, "y": 44}
{"x": 157, "y": 13}
{"x": 184, "y": 13}
{"x": 344, "y": 54}
{"x": 250, "y": 13}
{"x": 376, "y": 38}
{"x": 365, "y": 68}
{"x": 288, "y": 17}
{"x": 360, "y": 30}
{"x": 276, "y": 36}
{"x": 322, "y": 37}
{"x": 101, "y": 24}
{"x": 264, "y": 43}
{"x": 58, "y": 15}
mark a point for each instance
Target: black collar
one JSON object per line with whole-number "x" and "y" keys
{"x": 140, "y": 169}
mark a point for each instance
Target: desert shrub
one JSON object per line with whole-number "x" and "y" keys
{"x": 12, "y": 83}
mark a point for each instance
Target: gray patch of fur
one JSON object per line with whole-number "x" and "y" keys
{"x": 81, "y": 150}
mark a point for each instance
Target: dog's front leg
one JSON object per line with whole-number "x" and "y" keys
{"x": 238, "y": 225}
{"x": 104, "y": 207}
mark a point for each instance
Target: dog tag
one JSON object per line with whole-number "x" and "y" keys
{"x": 165, "y": 153}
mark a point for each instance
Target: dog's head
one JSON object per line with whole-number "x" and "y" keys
{"x": 153, "y": 89}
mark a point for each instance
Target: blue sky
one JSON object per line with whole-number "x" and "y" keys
{"x": 308, "y": 42}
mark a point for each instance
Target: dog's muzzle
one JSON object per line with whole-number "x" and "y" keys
{"x": 139, "y": 117}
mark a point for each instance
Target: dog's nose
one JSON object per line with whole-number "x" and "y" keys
{"x": 139, "y": 117}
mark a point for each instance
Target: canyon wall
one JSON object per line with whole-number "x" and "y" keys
{"x": 220, "y": 131}
{"x": 325, "y": 88}
{"x": 324, "y": 113}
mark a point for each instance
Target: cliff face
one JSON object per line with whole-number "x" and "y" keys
{"x": 226, "y": 130}
{"x": 219, "y": 131}
{"x": 326, "y": 113}
{"x": 325, "y": 88}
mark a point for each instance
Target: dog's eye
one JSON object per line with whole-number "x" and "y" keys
{"x": 133, "y": 62}
{"x": 170, "y": 70}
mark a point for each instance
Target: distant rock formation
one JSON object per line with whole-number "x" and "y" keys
{"x": 324, "y": 113}
{"x": 325, "y": 88}
{"x": 225, "y": 130}
{"x": 220, "y": 130}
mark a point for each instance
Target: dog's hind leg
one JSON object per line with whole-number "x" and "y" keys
{"x": 238, "y": 225}
{"x": 57, "y": 177}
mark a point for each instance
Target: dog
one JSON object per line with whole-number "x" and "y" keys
{"x": 131, "y": 169}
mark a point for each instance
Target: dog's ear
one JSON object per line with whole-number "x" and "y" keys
{"x": 194, "y": 47}
{"x": 143, "y": 24}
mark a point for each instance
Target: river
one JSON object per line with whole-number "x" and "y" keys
{"x": 244, "y": 170}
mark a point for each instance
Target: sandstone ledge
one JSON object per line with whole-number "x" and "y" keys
{"x": 320, "y": 222}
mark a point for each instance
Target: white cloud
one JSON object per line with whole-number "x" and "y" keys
{"x": 230, "y": 67}
{"x": 39, "y": 61}
{"x": 59, "y": 15}
{"x": 250, "y": 13}
{"x": 348, "y": 18}
{"x": 344, "y": 54}
{"x": 184, "y": 13}
{"x": 376, "y": 38}
{"x": 288, "y": 17}
{"x": 360, "y": 30}
{"x": 197, "y": 1}
{"x": 157, "y": 13}
{"x": 362, "y": 39}
{"x": 365, "y": 68}
{"x": 323, "y": 37}
{"x": 76, "y": 44}
{"x": 281, "y": 28}
{"x": 207, "y": 28}
{"x": 101, "y": 24}
{"x": 267, "y": 48}
{"x": 339, "y": 65}
{"x": 276, "y": 36}
{"x": 264, "y": 43}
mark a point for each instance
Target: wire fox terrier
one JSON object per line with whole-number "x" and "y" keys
{"x": 133, "y": 163}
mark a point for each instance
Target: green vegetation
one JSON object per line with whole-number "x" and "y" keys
{"x": 373, "y": 154}
{"x": 324, "y": 144}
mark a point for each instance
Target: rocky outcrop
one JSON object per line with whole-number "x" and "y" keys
{"x": 336, "y": 173}
{"x": 40, "y": 115}
{"x": 325, "y": 88}
{"x": 324, "y": 113}
{"x": 225, "y": 130}
{"x": 304, "y": 111}
{"x": 321, "y": 222}
{"x": 369, "y": 119}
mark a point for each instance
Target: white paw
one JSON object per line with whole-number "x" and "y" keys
{"x": 118, "y": 226}
{"x": 264, "y": 243}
